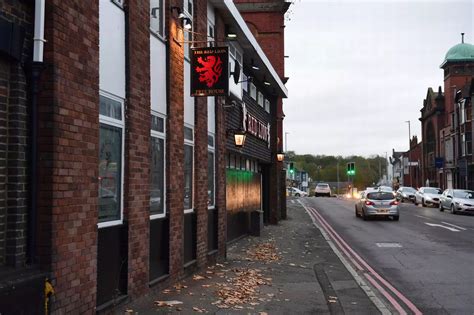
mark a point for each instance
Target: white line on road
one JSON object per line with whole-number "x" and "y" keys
{"x": 443, "y": 226}
{"x": 458, "y": 227}
{"x": 292, "y": 201}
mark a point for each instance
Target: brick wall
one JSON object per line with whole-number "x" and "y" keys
{"x": 221, "y": 151}
{"x": 175, "y": 142}
{"x": 4, "y": 88}
{"x": 14, "y": 146}
{"x": 200, "y": 146}
{"x": 68, "y": 159}
{"x": 137, "y": 159}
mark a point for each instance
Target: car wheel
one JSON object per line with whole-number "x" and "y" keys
{"x": 396, "y": 218}
{"x": 416, "y": 203}
{"x": 356, "y": 212}
{"x": 364, "y": 217}
{"x": 441, "y": 208}
{"x": 297, "y": 195}
{"x": 423, "y": 203}
{"x": 452, "y": 210}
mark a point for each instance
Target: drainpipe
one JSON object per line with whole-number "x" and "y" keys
{"x": 37, "y": 67}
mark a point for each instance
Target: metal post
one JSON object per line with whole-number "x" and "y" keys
{"x": 409, "y": 148}
{"x": 286, "y": 142}
{"x": 337, "y": 167}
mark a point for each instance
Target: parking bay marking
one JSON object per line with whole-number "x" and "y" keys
{"x": 443, "y": 226}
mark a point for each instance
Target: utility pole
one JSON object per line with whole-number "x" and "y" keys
{"x": 386, "y": 165}
{"x": 409, "y": 148}
{"x": 337, "y": 167}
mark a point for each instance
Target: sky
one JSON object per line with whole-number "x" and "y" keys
{"x": 358, "y": 70}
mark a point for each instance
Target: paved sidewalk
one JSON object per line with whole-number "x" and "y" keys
{"x": 290, "y": 269}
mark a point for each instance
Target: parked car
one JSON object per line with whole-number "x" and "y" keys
{"x": 457, "y": 200}
{"x": 428, "y": 196}
{"x": 406, "y": 194}
{"x": 322, "y": 189}
{"x": 293, "y": 191}
{"x": 377, "y": 204}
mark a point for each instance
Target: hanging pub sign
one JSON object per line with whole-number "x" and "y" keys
{"x": 209, "y": 71}
{"x": 254, "y": 126}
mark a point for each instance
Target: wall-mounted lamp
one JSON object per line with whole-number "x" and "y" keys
{"x": 187, "y": 23}
{"x": 255, "y": 66}
{"x": 280, "y": 157}
{"x": 265, "y": 81}
{"x": 229, "y": 34}
{"x": 239, "y": 137}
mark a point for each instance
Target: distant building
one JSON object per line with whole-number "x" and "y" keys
{"x": 446, "y": 123}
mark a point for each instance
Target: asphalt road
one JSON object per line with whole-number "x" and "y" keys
{"x": 428, "y": 255}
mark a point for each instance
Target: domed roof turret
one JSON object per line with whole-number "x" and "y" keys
{"x": 459, "y": 52}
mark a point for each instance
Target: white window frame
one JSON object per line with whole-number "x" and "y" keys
{"x": 212, "y": 149}
{"x": 190, "y": 143}
{"x": 260, "y": 99}
{"x": 161, "y": 135}
{"x": 118, "y": 124}
{"x": 267, "y": 106}
{"x": 156, "y": 32}
{"x": 253, "y": 91}
{"x": 187, "y": 35}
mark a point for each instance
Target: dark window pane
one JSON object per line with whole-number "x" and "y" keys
{"x": 210, "y": 141}
{"x": 188, "y": 134}
{"x": 110, "y": 169}
{"x": 110, "y": 108}
{"x": 157, "y": 176}
{"x": 210, "y": 179}
{"x": 157, "y": 124}
{"x": 188, "y": 177}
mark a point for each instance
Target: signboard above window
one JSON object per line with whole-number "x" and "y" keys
{"x": 210, "y": 71}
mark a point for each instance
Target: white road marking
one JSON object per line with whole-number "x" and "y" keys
{"x": 292, "y": 201}
{"x": 458, "y": 227}
{"x": 389, "y": 245}
{"x": 444, "y": 227}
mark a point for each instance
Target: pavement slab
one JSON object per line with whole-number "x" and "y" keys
{"x": 289, "y": 269}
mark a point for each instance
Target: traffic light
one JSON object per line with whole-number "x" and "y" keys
{"x": 351, "y": 168}
{"x": 292, "y": 169}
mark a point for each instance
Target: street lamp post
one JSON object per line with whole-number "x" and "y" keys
{"x": 409, "y": 148}
{"x": 286, "y": 142}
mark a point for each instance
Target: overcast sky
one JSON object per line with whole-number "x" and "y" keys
{"x": 359, "y": 69}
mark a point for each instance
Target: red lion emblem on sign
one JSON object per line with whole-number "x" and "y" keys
{"x": 210, "y": 71}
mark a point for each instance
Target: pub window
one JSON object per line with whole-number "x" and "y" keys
{"x": 267, "y": 106}
{"x": 260, "y": 100}
{"x": 111, "y": 147}
{"x": 188, "y": 12}
{"x": 244, "y": 80}
{"x": 188, "y": 168}
{"x": 157, "y": 167}
{"x": 157, "y": 20}
{"x": 253, "y": 91}
{"x": 211, "y": 173}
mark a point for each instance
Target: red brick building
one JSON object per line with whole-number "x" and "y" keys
{"x": 125, "y": 187}
{"x": 446, "y": 119}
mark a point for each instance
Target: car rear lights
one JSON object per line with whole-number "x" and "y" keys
{"x": 394, "y": 203}
{"x": 369, "y": 203}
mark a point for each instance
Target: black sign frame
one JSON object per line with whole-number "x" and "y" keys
{"x": 210, "y": 71}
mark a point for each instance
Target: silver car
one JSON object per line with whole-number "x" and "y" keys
{"x": 377, "y": 204}
{"x": 457, "y": 200}
{"x": 428, "y": 196}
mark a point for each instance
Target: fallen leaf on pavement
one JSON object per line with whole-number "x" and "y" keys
{"x": 199, "y": 310}
{"x": 167, "y": 303}
{"x": 198, "y": 277}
